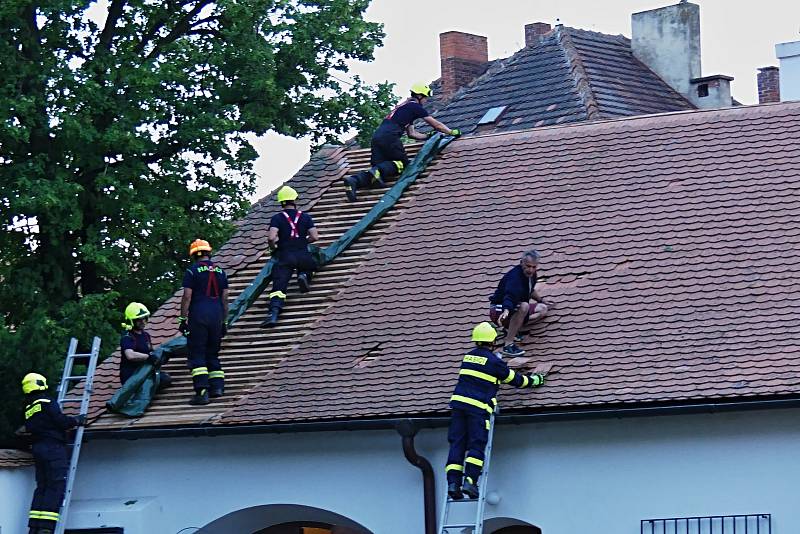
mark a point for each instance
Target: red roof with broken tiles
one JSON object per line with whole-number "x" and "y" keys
{"x": 11, "y": 458}
{"x": 670, "y": 243}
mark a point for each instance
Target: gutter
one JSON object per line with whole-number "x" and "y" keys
{"x": 439, "y": 421}
{"x": 407, "y": 430}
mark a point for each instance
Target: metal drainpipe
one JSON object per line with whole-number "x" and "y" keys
{"x": 407, "y": 430}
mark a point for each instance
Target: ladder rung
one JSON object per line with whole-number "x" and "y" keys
{"x": 75, "y": 377}
{"x": 461, "y": 500}
{"x": 467, "y": 525}
{"x": 72, "y": 399}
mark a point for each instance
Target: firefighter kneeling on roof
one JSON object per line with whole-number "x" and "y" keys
{"x": 204, "y": 310}
{"x": 290, "y": 232}
{"x": 473, "y": 401}
{"x": 48, "y": 426}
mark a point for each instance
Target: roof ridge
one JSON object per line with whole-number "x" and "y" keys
{"x": 579, "y": 75}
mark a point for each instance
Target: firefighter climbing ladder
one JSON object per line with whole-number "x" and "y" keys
{"x": 465, "y": 516}
{"x": 68, "y": 380}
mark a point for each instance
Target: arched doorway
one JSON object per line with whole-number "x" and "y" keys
{"x": 507, "y": 525}
{"x": 283, "y": 519}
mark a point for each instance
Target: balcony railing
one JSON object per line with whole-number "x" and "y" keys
{"x": 715, "y": 524}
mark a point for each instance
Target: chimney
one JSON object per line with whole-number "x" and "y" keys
{"x": 789, "y": 56}
{"x": 768, "y": 85}
{"x": 711, "y": 92}
{"x": 667, "y": 40}
{"x": 464, "y": 57}
{"x": 535, "y": 31}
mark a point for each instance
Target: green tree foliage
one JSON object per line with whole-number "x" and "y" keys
{"x": 124, "y": 132}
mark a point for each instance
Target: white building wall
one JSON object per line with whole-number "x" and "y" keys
{"x": 16, "y": 489}
{"x": 789, "y": 56}
{"x": 565, "y": 477}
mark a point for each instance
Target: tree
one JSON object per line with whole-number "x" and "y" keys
{"x": 123, "y": 136}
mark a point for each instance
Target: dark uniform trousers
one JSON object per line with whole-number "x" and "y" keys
{"x": 288, "y": 261}
{"x": 387, "y": 155}
{"x": 468, "y": 435}
{"x": 52, "y": 464}
{"x": 204, "y": 340}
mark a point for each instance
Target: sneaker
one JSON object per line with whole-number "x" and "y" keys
{"x": 518, "y": 338}
{"x": 302, "y": 282}
{"x": 470, "y": 489}
{"x": 454, "y": 491}
{"x": 513, "y": 350}
{"x": 350, "y": 188}
{"x": 200, "y": 398}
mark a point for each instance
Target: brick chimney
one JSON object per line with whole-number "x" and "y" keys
{"x": 769, "y": 90}
{"x": 534, "y": 32}
{"x": 464, "y": 57}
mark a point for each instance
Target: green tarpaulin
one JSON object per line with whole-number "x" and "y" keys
{"x": 133, "y": 398}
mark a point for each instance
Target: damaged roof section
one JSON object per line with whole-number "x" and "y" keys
{"x": 670, "y": 245}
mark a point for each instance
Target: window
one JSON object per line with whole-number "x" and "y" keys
{"x": 715, "y": 524}
{"x": 104, "y": 530}
{"x": 492, "y": 115}
{"x": 702, "y": 90}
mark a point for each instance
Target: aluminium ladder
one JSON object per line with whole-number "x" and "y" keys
{"x": 465, "y": 516}
{"x": 69, "y": 379}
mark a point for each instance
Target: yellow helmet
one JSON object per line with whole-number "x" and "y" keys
{"x": 484, "y": 332}
{"x": 421, "y": 89}
{"x": 199, "y": 245}
{"x": 286, "y": 194}
{"x": 33, "y": 382}
{"x": 136, "y": 310}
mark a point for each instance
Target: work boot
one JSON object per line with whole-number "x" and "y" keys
{"x": 302, "y": 282}
{"x": 200, "y": 398}
{"x": 454, "y": 491}
{"x": 216, "y": 393}
{"x": 513, "y": 350}
{"x": 470, "y": 489}
{"x": 272, "y": 320}
{"x": 44, "y": 531}
{"x": 350, "y": 188}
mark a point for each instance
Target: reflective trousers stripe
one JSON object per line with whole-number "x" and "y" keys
{"x": 473, "y": 402}
{"x": 278, "y": 294}
{"x": 474, "y": 461}
{"x": 216, "y": 374}
{"x": 197, "y": 371}
{"x": 454, "y": 467}
{"x": 525, "y": 381}
{"x": 40, "y": 514}
{"x": 478, "y": 374}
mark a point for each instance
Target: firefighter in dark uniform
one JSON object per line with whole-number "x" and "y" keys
{"x": 473, "y": 401}
{"x": 204, "y": 309}
{"x": 136, "y": 347}
{"x": 48, "y": 426}
{"x": 290, "y": 232}
{"x": 388, "y": 156}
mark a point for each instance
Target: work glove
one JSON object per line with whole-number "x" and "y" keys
{"x": 224, "y": 328}
{"x": 80, "y": 419}
{"x": 153, "y": 359}
{"x": 455, "y": 132}
{"x": 183, "y": 325}
{"x": 536, "y": 380}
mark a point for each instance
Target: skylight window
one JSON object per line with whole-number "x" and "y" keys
{"x": 491, "y": 116}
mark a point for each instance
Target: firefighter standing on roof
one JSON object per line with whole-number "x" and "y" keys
{"x": 48, "y": 426}
{"x": 204, "y": 309}
{"x": 290, "y": 232}
{"x": 388, "y": 156}
{"x": 473, "y": 401}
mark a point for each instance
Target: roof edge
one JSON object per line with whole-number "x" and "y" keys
{"x": 441, "y": 421}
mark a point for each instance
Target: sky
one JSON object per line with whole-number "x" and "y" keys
{"x": 737, "y": 37}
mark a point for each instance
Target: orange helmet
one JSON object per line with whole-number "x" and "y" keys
{"x": 199, "y": 245}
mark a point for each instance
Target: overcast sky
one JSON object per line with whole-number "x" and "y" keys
{"x": 737, "y": 37}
